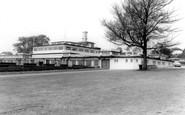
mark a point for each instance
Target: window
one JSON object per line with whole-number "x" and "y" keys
{"x": 60, "y": 47}
{"x": 154, "y": 62}
{"x": 131, "y": 60}
{"x": 126, "y": 60}
{"x": 45, "y": 48}
{"x": 74, "y": 49}
{"x": 73, "y": 62}
{"x": 159, "y": 63}
{"x": 68, "y": 48}
{"x": 88, "y": 62}
{"x": 50, "y": 48}
{"x": 92, "y": 51}
{"x": 115, "y": 60}
{"x": 96, "y": 63}
{"x": 35, "y": 49}
{"x": 80, "y": 62}
{"x": 163, "y": 63}
{"x": 86, "y": 50}
{"x": 39, "y": 49}
{"x": 55, "y": 48}
{"x": 136, "y": 60}
{"x": 81, "y": 50}
{"x": 32, "y": 61}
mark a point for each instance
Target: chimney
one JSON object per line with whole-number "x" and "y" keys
{"x": 84, "y": 37}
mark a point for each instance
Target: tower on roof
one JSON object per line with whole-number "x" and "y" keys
{"x": 84, "y": 37}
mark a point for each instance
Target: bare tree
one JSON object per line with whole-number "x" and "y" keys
{"x": 140, "y": 23}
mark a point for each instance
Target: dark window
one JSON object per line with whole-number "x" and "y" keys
{"x": 68, "y": 48}
{"x": 88, "y": 62}
{"x": 126, "y": 60}
{"x": 73, "y": 62}
{"x": 60, "y": 47}
{"x": 92, "y": 51}
{"x": 96, "y": 63}
{"x": 81, "y": 50}
{"x": 86, "y": 50}
{"x": 74, "y": 49}
{"x": 131, "y": 60}
{"x": 50, "y": 48}
{"x": 35, "y": 49}
{"x": 115, "y": 60}
{"x": 136, "y": 60}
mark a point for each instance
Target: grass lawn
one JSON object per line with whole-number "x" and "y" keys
{"x": 158, "y": 92}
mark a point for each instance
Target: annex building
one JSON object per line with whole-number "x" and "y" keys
{"x": 82, "y": 53}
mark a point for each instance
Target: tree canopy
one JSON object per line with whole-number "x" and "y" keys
{"x": 140, "y": 23}
{"x": 25, "y": 44}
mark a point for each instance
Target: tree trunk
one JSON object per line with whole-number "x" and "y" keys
{"x": 144, "y": 67}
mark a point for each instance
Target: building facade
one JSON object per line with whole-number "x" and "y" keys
{"x": 82, "y": 53}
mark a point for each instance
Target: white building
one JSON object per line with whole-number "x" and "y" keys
{"x": 84, "y": 53}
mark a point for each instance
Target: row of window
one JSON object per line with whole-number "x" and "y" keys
{"x": 136, "y": 60}
{"x": 85, "y": 62}
{"x": 49, "y": 48}
{"x": 126, "y": 60}
{"x": 67, "y": 48}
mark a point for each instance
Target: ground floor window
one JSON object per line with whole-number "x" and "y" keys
{"x": 80, "y": 62}
{"x": 96, "y": 63}
{"x": 88, "y": 62}
{"x": 73, "y": 62}
{"x": 154, "y": 62}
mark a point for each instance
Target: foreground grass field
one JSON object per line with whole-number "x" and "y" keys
{"x": 159, "y": 92}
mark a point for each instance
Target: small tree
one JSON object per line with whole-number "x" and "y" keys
{"x": 139, "y": 23}
{"x": 25, "y": 44}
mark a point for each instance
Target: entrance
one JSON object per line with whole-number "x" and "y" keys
{"x": 106, "y": 63}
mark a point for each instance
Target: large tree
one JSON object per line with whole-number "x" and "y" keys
{"x": 25, "y": 44}
{"x": 140, "y": 23}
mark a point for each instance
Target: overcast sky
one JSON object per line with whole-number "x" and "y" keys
{"x": 63, "y": 20}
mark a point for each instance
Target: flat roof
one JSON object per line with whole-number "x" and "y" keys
{"x": 70, "y": 45}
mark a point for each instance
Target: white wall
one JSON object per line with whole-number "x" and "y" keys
{"x": 121, "y": 63}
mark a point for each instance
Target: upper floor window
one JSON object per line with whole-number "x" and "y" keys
{"x": 68, "y": 48}
{"x": 74, "y": 49}
{"x": 61, "y": 48}
{"x": 45, "y": 48}
{"x": 55, "y": 48}
{"x": 50, "y": 48}
{"x": 86, "y": 50}
{"x": 80, "y": 49}
{"x": 92, "y": 51}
